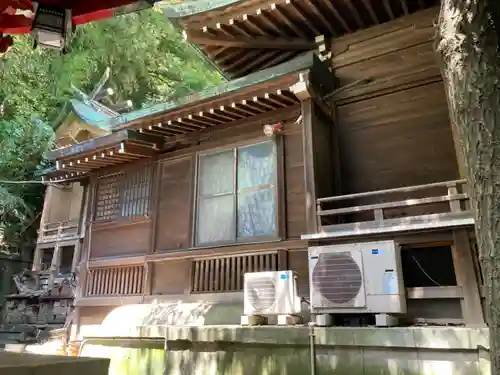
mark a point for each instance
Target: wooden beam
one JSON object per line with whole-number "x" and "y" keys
{"x": 399, "y": 225}
{"x": 373, "y": 15}
{"x": 388, "y": 9}
{"x": 89, "y": 146}
{"x": 435, "y": 292}
{"x": 466, "y": 279}
{"x": 404, "y": 5}
{"x": 156, "y": 141}
{"x": 355, "y": 13}
{"x": 254, "y": 42}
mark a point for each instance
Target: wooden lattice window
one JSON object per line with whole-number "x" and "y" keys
{"x": 225, "y": 274}
{"x": 109, "y": 281}
{"x": 108, "y": 197}
{"x": 126, "y": 194}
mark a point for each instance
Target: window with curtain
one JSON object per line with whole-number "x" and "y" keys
{"x": 237, "y": 197}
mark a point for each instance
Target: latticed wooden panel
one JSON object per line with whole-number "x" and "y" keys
{"x": 108, "y": 197}
{"x": 109, "y": 281}
{"x": 126, "y": 194}
{"x": 225, "y": 274}
{"x": 136, "y": 192}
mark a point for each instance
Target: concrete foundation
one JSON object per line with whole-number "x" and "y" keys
{"x": 31, "y": 364}
{"x": 230, "y": 350}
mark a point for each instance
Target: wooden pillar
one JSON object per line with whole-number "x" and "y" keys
{"x": 55, "y": 264}
{"x": 148, "y": 278}
{"x": 301, "y": 90}
{"x": 87, "y": 232}
{"x": 157, "y": 170}
{"x": 45, "y": 212}
{"x": 37, "y": 260}
{"x": 76, "y": 256}
{"x": 466, "y": 278}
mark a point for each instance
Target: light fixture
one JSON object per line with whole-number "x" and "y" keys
{"x": 51, "y": 27}
{"x": 271, "y": 130}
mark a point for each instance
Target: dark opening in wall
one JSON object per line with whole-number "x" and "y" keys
{"x": 428, "y": 266}
{"x": 67, "y": 253}
{"x": 46, "y": 260}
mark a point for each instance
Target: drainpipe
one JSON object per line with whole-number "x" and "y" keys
{"x": 312, "y": 345}
{"x": 165, "y": 348}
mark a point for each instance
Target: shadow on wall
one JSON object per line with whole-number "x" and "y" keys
{"x": 226, "y": 357}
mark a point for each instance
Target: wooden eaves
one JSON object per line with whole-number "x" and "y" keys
{"x": 116, "y": 148}
{"x": 244, "y": 36}
{"x": 147, "y": 132}
{"x": 242, "y": 99}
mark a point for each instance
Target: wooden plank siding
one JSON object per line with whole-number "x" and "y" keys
{"x": 175, "y": 197}
{"x": 175, "y": 223}
{"x": 174, "y": 254}
{"x": 395, "y": 140}
{"x": 392, "y": 121}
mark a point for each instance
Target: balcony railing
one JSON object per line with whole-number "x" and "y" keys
{"x": 420, "y": 207}
{"x": 115, "y": 281}
{"x": 59, "y": 231}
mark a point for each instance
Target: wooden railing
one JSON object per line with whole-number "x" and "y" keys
{"x": 114, "y": 281}
{"x": 225, "y": 274}
{"x": 59, "y": 231}
{"x": 409, "y": 208}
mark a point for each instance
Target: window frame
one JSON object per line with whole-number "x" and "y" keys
{"x": 124, "y": 189}
{"x": 278, "y": 194}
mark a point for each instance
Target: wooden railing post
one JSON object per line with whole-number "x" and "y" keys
{"x": 378, "y": 214}
{"x": 467, "y": 279}
{"x": 454, "y": 203}
{"x": 318, "y": 216}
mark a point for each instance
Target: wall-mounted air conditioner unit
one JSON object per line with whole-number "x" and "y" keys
{"x": 271, "y": 293}
{"x": 363, "y": 277}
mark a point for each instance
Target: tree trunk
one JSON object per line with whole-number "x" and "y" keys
{"x": 467, "y": 44}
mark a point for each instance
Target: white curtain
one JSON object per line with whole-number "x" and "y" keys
{"x": 253, "y": 191}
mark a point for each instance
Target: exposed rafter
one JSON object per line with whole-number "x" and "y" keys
{"x": 255, "y": 42}
{"x": 238, "y": 34}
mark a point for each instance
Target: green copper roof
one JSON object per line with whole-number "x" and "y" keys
{"x": 86, "y": 113}
{"x": 296, "y": 65}
{"x": 190, "y": 8}
{"x": 90, "y": 115}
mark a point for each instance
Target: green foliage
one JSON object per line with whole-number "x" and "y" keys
{"x": 149, "y": 62}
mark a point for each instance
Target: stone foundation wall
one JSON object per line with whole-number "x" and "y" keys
{"x": 30, "y": 364}
{"x": 230, "y": 350}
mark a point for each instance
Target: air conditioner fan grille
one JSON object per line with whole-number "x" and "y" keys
{"x": 337, "y": 277}
{"x": 261, "y": 293}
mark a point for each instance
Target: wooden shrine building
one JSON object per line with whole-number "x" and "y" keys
{"x": 358, "y": 147}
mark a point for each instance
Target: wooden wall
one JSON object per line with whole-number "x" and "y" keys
{"x": 174, "y": 190}
{"x": 171, "y": 277}
{"x": 177, "y": 174}
{"x": 63, "y": 203}
{"x": 120, "y": 240}
{"x": 395, "y": 130}
{"x": 175, "y": 197}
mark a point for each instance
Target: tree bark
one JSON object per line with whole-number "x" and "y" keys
{"x": 467, "y": 45}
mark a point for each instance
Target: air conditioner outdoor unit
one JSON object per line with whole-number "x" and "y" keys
{"x": 271, "y": 293}
{"x": 363, "y": 277}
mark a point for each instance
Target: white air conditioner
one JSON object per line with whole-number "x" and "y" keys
{"x": 363, "y": 277}
{"x": 271, "y": 293}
